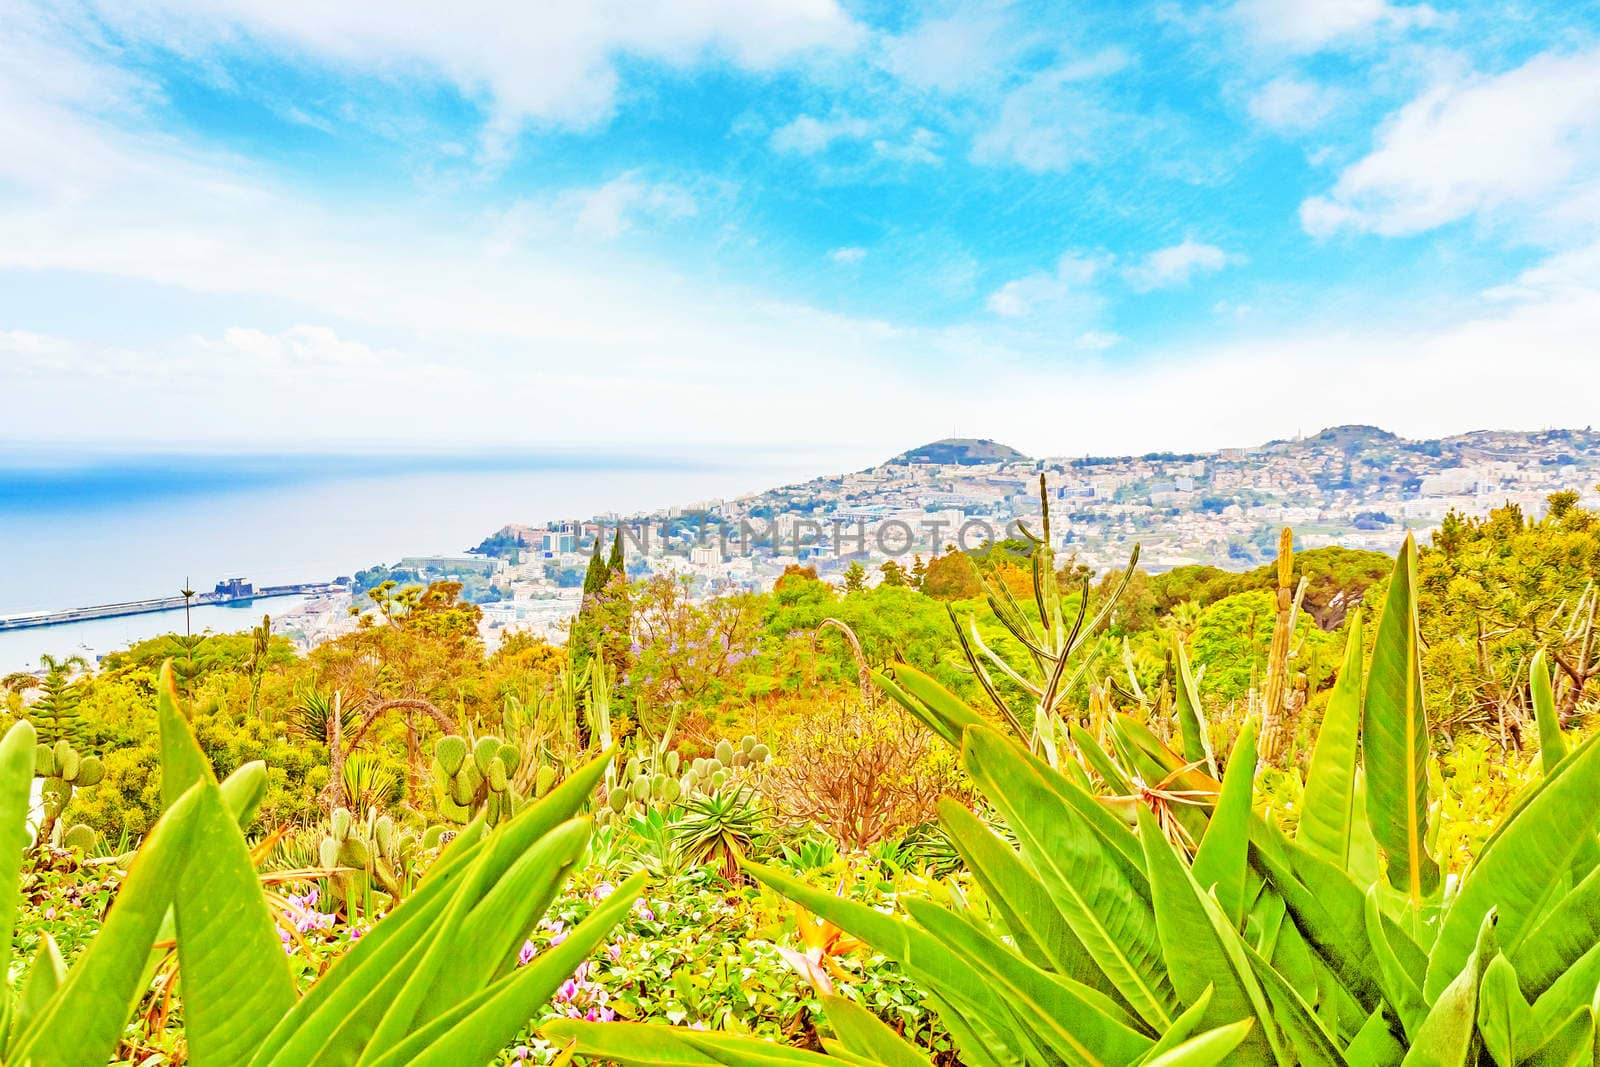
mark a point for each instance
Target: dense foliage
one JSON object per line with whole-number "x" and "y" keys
{"x": 1331, "y": 811}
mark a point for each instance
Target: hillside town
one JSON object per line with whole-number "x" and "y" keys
{"x": 1356, "y": 486}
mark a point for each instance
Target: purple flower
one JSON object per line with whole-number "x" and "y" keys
{"x": 525, "y": 956}
{"x": 601, "y": 891}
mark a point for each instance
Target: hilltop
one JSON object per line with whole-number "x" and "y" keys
{"x": 959, "y": 452}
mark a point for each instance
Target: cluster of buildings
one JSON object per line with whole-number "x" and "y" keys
{"x": 1356, "y": 486}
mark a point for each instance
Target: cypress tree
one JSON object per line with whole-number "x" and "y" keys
{"x": 615, "y": 565}
{"x": 595, "y": 578}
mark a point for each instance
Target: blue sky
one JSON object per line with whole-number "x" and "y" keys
{"x": 1076, "y": 227}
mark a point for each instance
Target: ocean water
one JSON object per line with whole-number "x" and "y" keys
{"x": 77, "y": 530}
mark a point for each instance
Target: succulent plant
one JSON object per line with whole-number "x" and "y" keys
{"x": 374, "y": 851}
{"x": 64, "y": 770}
{"x": 462, "y": 787}
{"x": 655, "y": 778}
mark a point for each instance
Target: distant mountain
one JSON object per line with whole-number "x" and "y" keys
{"x": 1351, "y": 436}
{"x": 962, "y": 451}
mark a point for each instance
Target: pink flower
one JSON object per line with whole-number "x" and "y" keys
{"x": 525, "y": 956}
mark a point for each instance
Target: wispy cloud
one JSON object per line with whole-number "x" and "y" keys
{"x": 1177, "y": 265}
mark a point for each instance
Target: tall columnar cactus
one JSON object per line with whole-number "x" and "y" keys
{"x": 467, "y": 779}
{"x": 64, "y": 770}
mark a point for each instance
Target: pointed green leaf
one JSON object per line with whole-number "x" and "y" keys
{"x": 1395, "y": 732}
{"x": 1191, "y": 714}
{"x": 1206, "y": 1050}
{"x": 16, "y": 784}
{"x": 1400, "y": 986}
{"x": 84, "y": 1021}
{"x": 1328, "y": 808}
{"x": 1563, "y": 934}
{"x": 1198, "y": 958}
{"x": 44, "y": 977}
{"x": 182, "y": 762}
{"x": 1572, "y": 1044}
{"x": 1552, "y": 744}
{"x": 1375, "y": 1044}
{"x": 1505, "y": 1019}
{"x": 863, "y": 1033}
{"x": 654, "y": 1045}
{"x": 1448, "y": 1036}
{"x": 1092, "y": 890}
{"x": 1514, "y": 872}
{"x": 1224, "y": 854}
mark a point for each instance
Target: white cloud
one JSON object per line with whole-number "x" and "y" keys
{"x": 921, "y": 147}
{"x": 848, "y": 254}
{"x": 1098, "y": 340}
{"x": 1177, "y": 265}
{"x": 1311, "y": 25}
{"x": 807, "y": 135}
{"x": 1525, "y": 141}
{"x": 1053, "y": 121}
{"x": 539, "y": 62}
{"x": 953, "y": 52}
{"x": 1023, "y": 296}
{"x": 1290, "y": 104}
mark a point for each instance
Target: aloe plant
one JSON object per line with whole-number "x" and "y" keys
{"x": 1146, "y": 915}
{"x": 436, "y": 981}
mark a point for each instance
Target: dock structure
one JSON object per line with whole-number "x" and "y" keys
{"x": 232, "y": 591}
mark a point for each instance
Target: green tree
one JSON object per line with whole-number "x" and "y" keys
{"x": 893, "y": 573}
{"x": 56, "y": 715}
{"x": 855, "y": 577}
{"x": 616, "y": 567}
{"x": 598, "y": 573}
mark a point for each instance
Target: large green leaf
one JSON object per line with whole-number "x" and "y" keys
{"x": 1307, "y": 1037}
{"x": 943, "y": 712}
{"x": 1039, "y": 930}
{"x": 1505, "y": 1019}
{"x": 653, "y": 1045}
{"x": 16, "y": 783}
{"x": 358, "y": 989}
{"x": 1091, "y": 888}
{"x": 1395, "y": 738}
{"x": 1328, "y": 808}
{"x": 1448, "y": 1036}
{"x": 1076, "y": 1024}
{"x": 1191, "y": 714}
{"x": 863, "y": 1033}
{"x": 476, "y": 1028}
{"x": 1562, "y": 934}
{"x": 84, "y": 1021}
{"x": 1518, "y": 872}
{"x": 1200, "y": 959}
{"x": 1552, "y": 743}
{"x": 1224, "y": 854}
{"x": 1207, "y": 1049}
{"x": 236, "y": 980}
{"x": 1401, "y": 987}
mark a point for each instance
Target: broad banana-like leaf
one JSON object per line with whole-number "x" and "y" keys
{"x": 1191, "y": 714}
{"x": 359, "y": 988}
{"x": 236, "y": 980}
{"x": 1448, "y": 1036}
{"x": 474, "y": 1030}
{"x": 864, "y": 1034}
{"x": 84, "y": 1021}
{"x": 943, "y": 712}
{"x": 1223, "y": 858}
{"x": 1505, "y": 1018}
{"x": 1562, "y": 934}
{"x": 945, "y": 973}
{"x": 1395, "y": 738}
{"x": 45, "y": 976}
{"x": 1307, "y": 1039}
{"x": 1091, "y": 889}
{"x": 1515, "y": 872}
{"x": 653, "y": 1045}
{"x": 17, "y": 750}
{"x": 1076, "y": 1024}
{"x": 1552, "y": 743}
{"x": 1199, "y": 957}
{"x": 1375, "y": 1044}
{"x": 244, "y": 790}
{"x": 1182, "y": 1029}
{"x": 1573, "y": 990}
{"x": 1400, "y": 985}
{"x": 1206, "y": 1050}
{"x": 1328, "y": 808}
{"x": 1572, "y": 1044}
{"x": 1039, "y": 931}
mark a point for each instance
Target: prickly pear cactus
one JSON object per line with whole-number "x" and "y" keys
{"x": 655, "y": 778}
{"x": 64, "y": 770}
{"x": 374, "y": 852}
{"x": 467, "y": 780}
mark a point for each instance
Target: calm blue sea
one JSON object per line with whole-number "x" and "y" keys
{"x": 91, "y": 529}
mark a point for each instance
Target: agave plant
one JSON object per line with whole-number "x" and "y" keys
{"x": 1116, "y": 944}
{"x": 719, "y": 828}
{"x": 436, "y": 981}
